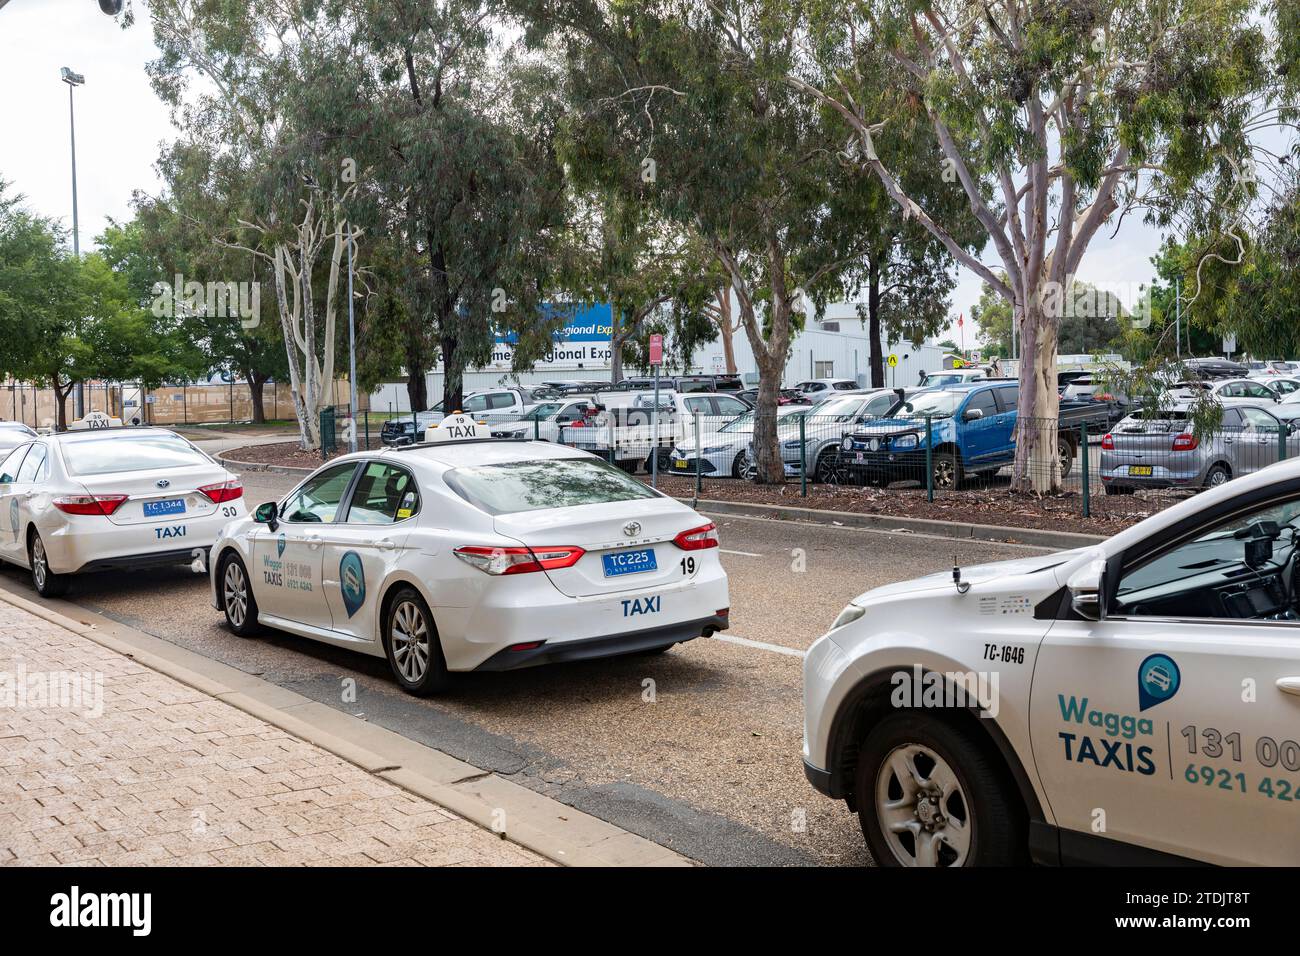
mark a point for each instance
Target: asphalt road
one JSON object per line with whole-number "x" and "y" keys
{"x": 697, "y": 749}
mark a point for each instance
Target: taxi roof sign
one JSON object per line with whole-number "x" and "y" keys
{"x": 454, "y": 428}
{"x": 95, "y": 420}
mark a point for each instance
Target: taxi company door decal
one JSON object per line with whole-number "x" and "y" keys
{"x": 352, "y": 582}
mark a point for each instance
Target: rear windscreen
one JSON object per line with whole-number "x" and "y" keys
{"x": 517, "y": 486}
{"x": 113, "y": 453}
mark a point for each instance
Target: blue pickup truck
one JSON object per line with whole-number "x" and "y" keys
{"x": 972, "y": 426}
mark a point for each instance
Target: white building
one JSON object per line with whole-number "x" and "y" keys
{"x": 836, "y": 346}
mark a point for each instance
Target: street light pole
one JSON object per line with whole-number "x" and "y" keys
{"x": 352, "y": 347}
{"x": 74, "y": 80}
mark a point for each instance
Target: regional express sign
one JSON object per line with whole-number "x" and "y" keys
{"x": 583, "y": 340}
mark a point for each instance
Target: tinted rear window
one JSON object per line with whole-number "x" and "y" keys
{"x": 112, "y": 453}
{"x": 519, "y": 486}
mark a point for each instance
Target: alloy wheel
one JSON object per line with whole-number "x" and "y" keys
{"x": 410, "y": 641}
{"x": 235, "y": 588}
{"x": 39, "y": 565}
{"x": 922, "y": 808}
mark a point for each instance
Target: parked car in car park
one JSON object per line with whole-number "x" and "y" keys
{"x": 819, "y": 388}
{"x": 986, "y": 716}
{"x": 1166, "y": 452}
{"x": 814, "y": 435}
{"x": 725, "y": 449}
{"x": 99, "y": 498}
{"x": 13, "y": 434}
{"x": 629, "y": 434}
{"x": 496, "y": 404}
{"x": 549, "y": 421}
{"x": 953, "y": 376}
{"x": 469, "y": 553}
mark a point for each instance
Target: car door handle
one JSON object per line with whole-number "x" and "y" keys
{"x": 313, "y": 541}
{"x": 385, "y": 544}
{"x": 1289, "y": 685}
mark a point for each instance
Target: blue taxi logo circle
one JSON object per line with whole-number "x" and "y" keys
{"x": 279, "y": 546}
{"x": 1158, "y": 680}
{"x": 352, "y": 582}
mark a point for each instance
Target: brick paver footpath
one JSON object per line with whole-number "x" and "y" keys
{"x": 103, "y": 761}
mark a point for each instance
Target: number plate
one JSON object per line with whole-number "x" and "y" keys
{"x": 168, "y": 506}
{"x": 629, "y": 562}
{"x": 1140, "y": 471}
{"x": 680, "y": 463}
{"x": 858, "y": 456}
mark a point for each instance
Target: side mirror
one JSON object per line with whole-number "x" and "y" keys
{"x": 268, "y": 513}
{"x": 971, "y": 414}
{"x": 1086, "y": 587}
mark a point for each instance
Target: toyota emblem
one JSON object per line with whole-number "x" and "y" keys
{"x": 632, "y": 529}
{"x": 163, "y": 482}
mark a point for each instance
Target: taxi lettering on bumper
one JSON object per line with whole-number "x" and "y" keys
{"x": 637, "y": 606}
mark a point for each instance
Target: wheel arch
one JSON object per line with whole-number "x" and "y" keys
{"x": 391, "y": 586}
{"x": 869, "y": 700}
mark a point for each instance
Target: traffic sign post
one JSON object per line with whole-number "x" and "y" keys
{"x": 656, "y": 360}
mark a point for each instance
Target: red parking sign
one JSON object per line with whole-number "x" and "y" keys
{"x": 656, "y": 350}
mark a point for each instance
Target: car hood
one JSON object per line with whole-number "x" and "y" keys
{"x": 713, "y": 439}
{"x": 972, "y": 574}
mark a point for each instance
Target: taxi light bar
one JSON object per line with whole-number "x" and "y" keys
{"x": 223, "y": 491}
{"x": 697, "y": 539}
{"x": 497, "y": 561}
{"x": 103, "y": 505}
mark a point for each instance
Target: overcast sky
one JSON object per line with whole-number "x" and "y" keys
{"x": 120, "y": 124}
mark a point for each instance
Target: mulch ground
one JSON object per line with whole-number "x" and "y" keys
{"x": 992, "y": 503}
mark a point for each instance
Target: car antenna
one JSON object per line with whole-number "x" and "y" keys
{"x": 962, "y": 586}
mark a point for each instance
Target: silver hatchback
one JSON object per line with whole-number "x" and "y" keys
{"x": 1164, "y": 452}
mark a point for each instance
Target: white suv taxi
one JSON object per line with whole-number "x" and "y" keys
{"x": 472, "y": 553}
{"x": 1136, "y": 702}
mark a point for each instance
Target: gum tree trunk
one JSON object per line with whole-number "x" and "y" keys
{"x": 1037, "y": 468}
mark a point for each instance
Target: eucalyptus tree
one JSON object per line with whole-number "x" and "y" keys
{"x": 1054, "y": 119}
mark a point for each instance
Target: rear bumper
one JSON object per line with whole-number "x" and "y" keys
{"x": 83, "y": 543}
{"x": 154, "y": 559}
{"x": 612, "y": 645}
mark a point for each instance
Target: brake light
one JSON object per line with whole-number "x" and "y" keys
{"x": 498, "y": 561}
{"x": 103, "y": 505}
{"x": 696, "y": 539}
{"x": 1185, "y": 442}
{"x": 225, "y": 491}
{"x": 1108, "y": 441}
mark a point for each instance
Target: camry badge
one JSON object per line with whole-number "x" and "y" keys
{"x": 632, "y": 529}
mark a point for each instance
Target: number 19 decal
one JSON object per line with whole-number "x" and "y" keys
{"x": 688, "y": 566}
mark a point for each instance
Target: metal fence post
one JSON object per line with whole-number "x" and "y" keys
{"x": 1083, "y": 461}
{"x": 1281, "y": 441}
{"x": 699, "y": 458}
{"x": 537, "y": 428}
{"x": 609, "y": 440}
{"x": 803, "y": 455}
{"x": 366, "y": 419}
{"x": 929, "y": 458}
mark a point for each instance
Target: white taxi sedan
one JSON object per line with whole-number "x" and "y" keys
{"x": 473, "y": 554}
{"x": 94, "y": 499}
{"x": 1136, "y": 702}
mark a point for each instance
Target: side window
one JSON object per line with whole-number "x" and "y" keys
{"x": 571, "y": 413}
{"x": 1260, "y": 420}
{"x": 879, "y": 405}
{"x": 500, "y": 400}
{"x": 384, "y": 494}
{"x": 9, "y": 467}
{"x": 1008, "y": 398}
{"x": 1257, "y": 390}
{"x": 474, "y": 404}
{"x": 1231, "y": 420}
{"x": 694, "y": 405}
{"x": 33, "y": 468}
{"x": 318, "y": 500}
{"x": 729, "y": 406}
{"x": 984, "y": 401}
{"x": 1234, "y": 390}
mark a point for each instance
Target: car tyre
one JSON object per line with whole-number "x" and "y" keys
{"x": 950, "y": 800}
{"x": 47, "y": 583}
{"x": 947, "y": 469}
{"x": 236, "y": 591}
{"x": 738, "y": 466}
{"x": 826, "y": 470}
{"x": 1065, "y": 453}
{"x": 412, "y": 645}
{"x": 1217, "y": 475}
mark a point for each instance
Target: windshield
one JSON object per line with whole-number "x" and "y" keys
{"x": 106, "y": 454}
{"x": 741, "y": 423}
{"x": 518, "y": 486}
{"x": 938, "y": 404}
{"x": 544, "y": 411}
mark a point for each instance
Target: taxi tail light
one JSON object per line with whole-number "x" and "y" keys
{"x": 223, "y": 491}
{"x": 103, "y": 505}
{"x": 697, "y": 539}
{"x": 1108, "y": 442}
{"x": 498, "y": 561}
{"x": 1185, "y": 442}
